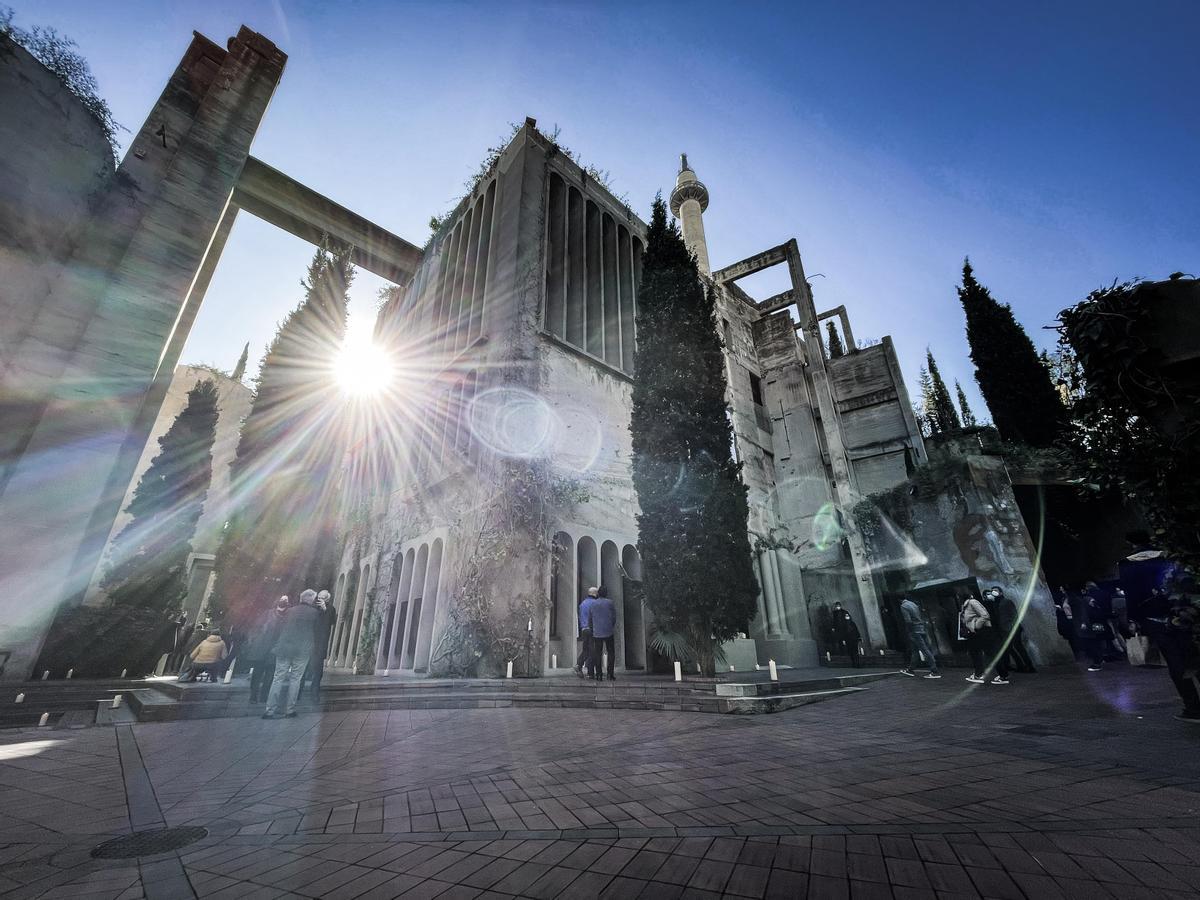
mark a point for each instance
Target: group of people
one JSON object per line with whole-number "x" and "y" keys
{"x": 285, "y": 650}
{"x": 597, "y": 627}
{"x": 989, "y": 627}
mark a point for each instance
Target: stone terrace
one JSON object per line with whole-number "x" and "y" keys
{"x": 1055, "y": 786}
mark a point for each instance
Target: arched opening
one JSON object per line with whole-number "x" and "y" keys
{"x": 339, "y": 593}
{"x": 610, "y": 578}
{"x": 360, "y": 614}
{"x": 433, "y": 577}
{"x": 414, "y": 608}
{"x": 349, "y": 614}
{"x": 634, "y": 608}
{"x": 561, "y": 631}
{"x": 587, "y": 570}
{"x": 400, "y": 602}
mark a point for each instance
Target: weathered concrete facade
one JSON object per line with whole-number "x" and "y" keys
{"x": 524, "y": 308}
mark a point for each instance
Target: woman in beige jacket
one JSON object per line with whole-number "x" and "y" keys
{"x": 984, "y": 642}
{"x": 206, "y": 657}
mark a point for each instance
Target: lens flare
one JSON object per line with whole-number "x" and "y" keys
{"x": 363, "y": 368}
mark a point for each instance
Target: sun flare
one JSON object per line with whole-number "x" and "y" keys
{"x": 363, "y": 368}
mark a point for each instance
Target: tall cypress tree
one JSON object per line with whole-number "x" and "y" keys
{"x": 290, "y": 446}
{"x": 1024, "y": 403}
{"x": 835, "y": 342}
{"x": 968, "y": 417}
{"x": 240, "y": 369}
{"x": 941, "y": 408}
{"x": 149, "y": 556}
{"x": 698, "y": 576}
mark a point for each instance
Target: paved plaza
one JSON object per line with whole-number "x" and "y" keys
{"x": 1055, "y": 786}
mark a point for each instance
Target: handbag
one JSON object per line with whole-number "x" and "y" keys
{"x": 1137, "y": 646}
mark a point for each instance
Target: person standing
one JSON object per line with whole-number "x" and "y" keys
{"x": 1064, "y": 617}
{"x": 918, "y": 640}
{"x": 604, "y": 626}
{"x": 847, "y": 633}
{"x": 260, "y": 650}
{"x": 1008, "y": 620}
{"x": 585, "y": 634}
{"x": 978, "y": 630}
{"x": 293, "y": 650}
{"x": 1094, "y": 628}
{"x": 321, "y": 631}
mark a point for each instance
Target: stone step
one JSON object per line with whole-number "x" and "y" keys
{"x": 779, "y": 702}
{"x": 808, "y": 685}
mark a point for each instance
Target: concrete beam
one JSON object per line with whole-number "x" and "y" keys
{"x": 782, "y": 300}
{"x": 266, "y": 192}
{"x": 750, "y": 265}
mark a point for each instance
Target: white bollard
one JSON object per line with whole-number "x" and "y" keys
{"x": 20, "y": 698}
{"x": 123, "y": 671}
{"x": 45, "y": 675}
{"x": 229, "y": 671}
{"x": 509, "y": 675}
{"x": 251, "y": 672}
{"x": 387, "y": 673}
{"x": 44, "y": 720}
{"x": 881, "y": 651}
{"x": 678, "y": 671}
{"x": 757, "y": 667}
{"x": 774, "y": 671}
{"x": 554, "y": 660}
{"x": 70, "y": 672}
{"x": 732, "y": 669}
{"x": 828, "y": 658}
{"x": 116, "y": 704}
{"x": 699, "y": 671}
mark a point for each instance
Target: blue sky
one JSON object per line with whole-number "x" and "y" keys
{"x": 1056, "y": 144}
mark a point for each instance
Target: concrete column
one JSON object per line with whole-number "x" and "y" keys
{"x": 762, "y": 606}
{"x": 780, "y": 599}
{"x": 770, "y": 591}
{"x": 688, "y": 202}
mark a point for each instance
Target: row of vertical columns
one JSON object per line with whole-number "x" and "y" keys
{"x": 772, "y": 592}
{"x": 459, "y": 287}
{"x": 592, "y": 269}
{"x": 414, "y": 604}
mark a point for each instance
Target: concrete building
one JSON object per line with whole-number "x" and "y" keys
{"x": 523, "y": 308}
{"x": 232, "y": 406}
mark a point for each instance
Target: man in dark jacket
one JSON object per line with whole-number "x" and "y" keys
{"x": 1006, "y": 617}
{"x": 260, "y": 650}
{"x": 321, "y": 631}
{"x": 293, "y": 650}
{"x": 846, "y": 632}
{"x": 918, "y": 640}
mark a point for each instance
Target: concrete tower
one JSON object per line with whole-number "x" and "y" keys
{"x": 689, "y": 200}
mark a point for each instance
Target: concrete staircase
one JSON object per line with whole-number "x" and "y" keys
{"x": 70, "y": 703}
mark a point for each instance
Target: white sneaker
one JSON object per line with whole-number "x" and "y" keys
{"x": 974, "y": 679}
{"x": 1093, "y": 668}
{"x": 933, "y": 675}
{"x": 999, "y": 680}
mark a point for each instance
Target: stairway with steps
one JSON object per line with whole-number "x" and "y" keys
{"x": 70, "y": 703}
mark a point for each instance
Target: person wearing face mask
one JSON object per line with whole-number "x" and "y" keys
{"x": 322, "y": 628}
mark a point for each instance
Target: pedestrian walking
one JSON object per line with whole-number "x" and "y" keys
{"x": 918, "y": 641}
{"x": 585, "y": 633}
{"x": 603, "y": 614}
{"x": 1064, "y": 617}
{"x": 321, "y": 630}
{"x": 847, "y": 633}
{"x": 1095, "y": 632}
{"x": 1170, "y": 622}
{"x": 975, "y": 626}
{"x": 260, "y": 650}
{"x": 1008, "y": 620}
{"x": 293, "y": 650}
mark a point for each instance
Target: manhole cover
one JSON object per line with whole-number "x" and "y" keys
{"x": 147, "y": 843}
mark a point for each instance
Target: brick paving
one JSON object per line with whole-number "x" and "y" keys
{"x": 1057, "y": 786}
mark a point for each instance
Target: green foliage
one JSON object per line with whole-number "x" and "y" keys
{"x": 149, "y": 557}
{"x": 1137, "y": 429}
{"x": 836, "y": 349}
{"x": 239, "y": 370}
{"x": 968, "y": 417}
{"x": 280, "y": 535}
{"x": 695, "y": 549}
{"x": 935, "y": 398}
{"x": 1024, "y": 404}
{"x": 59, "y": 54}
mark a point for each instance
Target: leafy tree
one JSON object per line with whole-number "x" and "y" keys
{"x": 285, "y": 505}
{"x": 1024, "y": 403}
{"x": 940, "y": 408}
{"x": 836, "y": 349}
{"x": 698, "y": 576}
{"x": 968, "y": 417}
{"x": 149, "y": 567}
{"x": 240, "y": 369}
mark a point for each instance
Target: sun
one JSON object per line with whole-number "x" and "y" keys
{"x": 363, "y": 368}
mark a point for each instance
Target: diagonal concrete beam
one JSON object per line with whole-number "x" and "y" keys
{"x": 750, "y": 265}
{"x": 782, "y": 300}
{"x": 266, "y": 192}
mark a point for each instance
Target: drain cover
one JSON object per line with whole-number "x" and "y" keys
{"x": 147, "y": 843}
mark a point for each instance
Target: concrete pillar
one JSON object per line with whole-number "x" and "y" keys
{"x": 108, "y": 334}
{"x": 780, "y": 596}
{"x": 688, "y": 202}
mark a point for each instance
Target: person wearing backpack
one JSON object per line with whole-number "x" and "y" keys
{"x": 918, "y": 640}
{"x": 976, "y": 628}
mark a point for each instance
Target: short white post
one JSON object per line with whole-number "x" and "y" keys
{"x": 44, "y": 720}
{"x": 774, "y": 671}
{"x": 881, "y": 651}
{"x": 20, "y": 698}
{"x": 678, "y": 671}
{"x": 757, "y": 667}
{"x": 387, "y": 673}
{"x": 554, "y": 660}
{"x": 70, "y": 672}
{"x": 251, "y": 672}
{"x": 509, "y": 673}
{"x": 732, "y": 669}
{"x": 123, "y": 672}
{"x": 229, "y": 671}
{"x": 828, "y": 658}
{"x": 699, "y": 671}
{"x": 45, "y": 675}
{"x": 116, "y": 704}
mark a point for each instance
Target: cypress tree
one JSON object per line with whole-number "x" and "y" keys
{"x": 276, "y": 539}
{"x": 968, "y": 417}
{"x": 835, "y": 342}
{"x": 149, "y": 568}
{"x": 941, "y": 409}
{"x": 1024, "y": 403}
{"x": 240, "y": 369}
{"x": 928, "y": 416}
{"x": 698, "y": 576}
